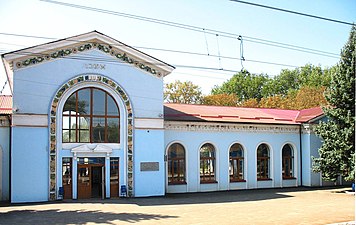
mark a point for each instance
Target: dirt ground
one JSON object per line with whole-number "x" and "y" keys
{"x": 270, "y": 206}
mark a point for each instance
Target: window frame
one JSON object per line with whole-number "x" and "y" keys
{"x": 175, "y": 180}
{"x": 289, "y": 158}
{"x": 78, "y": 116}
{"x": 209, "y": 161}
{"x": 263, "y": 164}
{"x": 240, "y": 166}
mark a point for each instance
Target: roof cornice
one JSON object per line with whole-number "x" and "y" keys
{"x": 89, "y": 41}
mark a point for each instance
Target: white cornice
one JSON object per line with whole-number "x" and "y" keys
{"x": 223, "y": 127}
{"x": 308, "y": 128}
{"x": 91, "y": 148}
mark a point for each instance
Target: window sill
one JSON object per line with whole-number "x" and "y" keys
{"x": 208, "y": 182}
{"x": 178, "y": 183}
{"x": 237, "y": 181}
{"x": 289, "y": 178}
{"x": 263, "y": 179}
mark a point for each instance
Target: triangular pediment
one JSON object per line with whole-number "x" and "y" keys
{"x": 92, "y": 148}
{"x": 69, "y": 47}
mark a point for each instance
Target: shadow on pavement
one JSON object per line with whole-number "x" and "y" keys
{"x": 55, "y": 216}
{"x": 197, "y": 198}
{"x": 216, "y": 197}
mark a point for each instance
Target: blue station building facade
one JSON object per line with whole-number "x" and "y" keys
{"x": 86, "y": 118}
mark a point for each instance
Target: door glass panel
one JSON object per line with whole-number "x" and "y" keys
{"x": 114, "y": 177}
{"x": 83, "y": 174}
{"x": 67, "y": 177}
{"x": 96, "y": 181}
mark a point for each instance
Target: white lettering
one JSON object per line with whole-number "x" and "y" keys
{"x": 94, "y": 66}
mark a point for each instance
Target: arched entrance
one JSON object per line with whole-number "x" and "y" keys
{"x": 90, "y": 147}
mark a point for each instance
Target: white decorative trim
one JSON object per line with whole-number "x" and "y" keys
{"x": 308, "y": 128}
{"x": 148, "y": 123}
{"x": 103, "y": 148}
{"x": 91, "y": 148}
{"x": 29, "y": 120}
{"x": 70, "y": 146}
{"x": 223, "y": 127}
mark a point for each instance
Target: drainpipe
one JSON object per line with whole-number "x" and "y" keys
{"x": 10, "y": 151}
{"x": 300, "y": 155}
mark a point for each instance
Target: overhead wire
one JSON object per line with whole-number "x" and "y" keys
{"x": 196, "y": 28}
{"x": 294, "y": 12}
{"x": 173, "y": 51}
{"x": 193, "y": 28}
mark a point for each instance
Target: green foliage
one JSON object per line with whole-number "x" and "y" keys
{"x": 183, "y": 92}
{"x": 244, "y": 85}
{"x": 276, "y": 91}
{"x": 338, "y": 133}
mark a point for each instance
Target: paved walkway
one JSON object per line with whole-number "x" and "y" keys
{"x": 272, "y": 206}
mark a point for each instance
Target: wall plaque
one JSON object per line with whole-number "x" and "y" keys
{"x": 149, "y": 166}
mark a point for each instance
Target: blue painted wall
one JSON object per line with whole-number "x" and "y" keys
{"x": 29, "y": 165}
{"x": 192, "y": 140}
{"x": 144, "y": 90}
{"x": 34, "y": 89}
{"x": 149, "y": 147}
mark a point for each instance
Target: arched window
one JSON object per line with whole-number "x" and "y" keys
{"x": 176, "y": 164}
{"x": 287, "y": 162}
{"x": 207, "y": 164}
{"x": 263, "y": 164}
{"x": 91, "y": 115}
{"x": 236, "y": 163}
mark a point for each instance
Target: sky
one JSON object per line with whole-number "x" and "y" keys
{"x": 261, "y": 30}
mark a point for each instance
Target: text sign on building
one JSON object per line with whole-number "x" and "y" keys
{"x": 94, "y": 66}
{"x": 149, "y": 166}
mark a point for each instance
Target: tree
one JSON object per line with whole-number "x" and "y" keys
{"x": 276, "y": 102}
{"x": 337, "y": 153}
{"x": 304, "y": 98}
{"x": 182, "y": 92}
{"x": 251, "y": 103}
{"x": 281, "y": 84}
{"x": 244, "y": 85}
{"x": 221, "y": 99}
{"x": 307, "y": 97}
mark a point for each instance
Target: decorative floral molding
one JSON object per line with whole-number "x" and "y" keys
{"x": 221, "y": 127}
{"x": 108, "y": 49}
{"x": 53, "y": 131}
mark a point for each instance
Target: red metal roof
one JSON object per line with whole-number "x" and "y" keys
{"x": 186, "y": 112}
{"x": 5, "y": 104}
{"x": 306, "y": 115}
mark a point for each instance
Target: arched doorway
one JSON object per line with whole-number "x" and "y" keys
{"x": 90, "y": 136}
